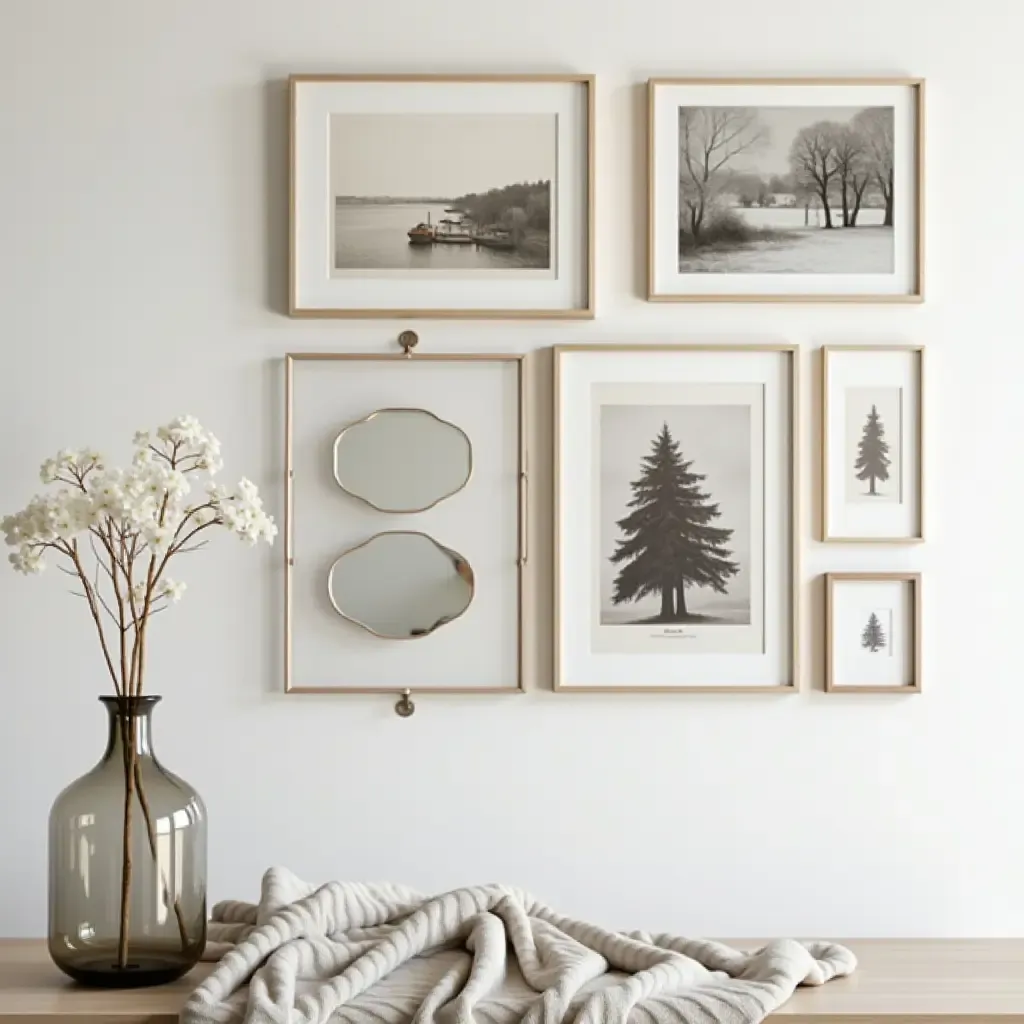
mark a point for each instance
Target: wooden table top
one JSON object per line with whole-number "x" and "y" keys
{"x": 968, "y": 981}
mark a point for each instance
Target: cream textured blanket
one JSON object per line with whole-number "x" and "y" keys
{"x": 489, "y": 954}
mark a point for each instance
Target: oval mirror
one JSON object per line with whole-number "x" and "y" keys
{"x": 402, "y": 460}
{"x": 400, "y": 585}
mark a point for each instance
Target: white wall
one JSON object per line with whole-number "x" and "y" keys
{"x": 142, "y": 270}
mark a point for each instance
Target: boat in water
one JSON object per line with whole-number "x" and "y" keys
{"x": 423, "y": 233}
{"x": 495, "y": 238}
{"x": 452, "y": 232}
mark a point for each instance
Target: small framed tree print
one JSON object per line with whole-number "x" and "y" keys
{"x": 872, "y": 472}
{"x": 675, "y": 518}
{"x": 872, "y": 633}
{"x": 786, "y": 190}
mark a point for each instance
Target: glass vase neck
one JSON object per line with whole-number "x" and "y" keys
{"x": 129, "y": 725}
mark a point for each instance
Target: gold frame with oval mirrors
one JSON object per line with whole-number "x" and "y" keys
{"x": 410, "y": 430}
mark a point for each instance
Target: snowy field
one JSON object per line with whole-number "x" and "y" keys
{"x": 865, "y": 249}
{"x": 783, "y": 217}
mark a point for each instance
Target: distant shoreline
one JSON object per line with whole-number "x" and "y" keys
{"x": 391, "y": 201}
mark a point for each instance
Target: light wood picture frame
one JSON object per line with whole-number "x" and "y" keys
{"x": 873, "y": 405}
{"x": 728, "y": 415}
{"x": 357, "y": 520}
{"x": 864, "y": 627}
{"x": 442, "y": 196}
{"x": 742, "y": 173}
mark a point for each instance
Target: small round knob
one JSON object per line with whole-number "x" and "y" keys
{"x": 405, "y": 707}
{"x": 408, "y": 340}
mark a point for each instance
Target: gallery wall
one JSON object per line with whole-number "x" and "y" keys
{"x": 143, "y": 255}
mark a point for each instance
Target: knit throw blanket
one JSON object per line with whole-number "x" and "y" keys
{"x": 352, "y": 953}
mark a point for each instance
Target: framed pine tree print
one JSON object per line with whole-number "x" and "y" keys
{"x": 676, "y": 518}
{"x": 872, "y": 632}
{"x": 872, "y": 444}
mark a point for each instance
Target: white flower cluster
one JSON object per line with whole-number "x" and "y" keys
{"x": 167, "y": 589}
{"x": 71, "y": 464}
{"x": 142, "y": 509}
{"x": 242, "y": 511}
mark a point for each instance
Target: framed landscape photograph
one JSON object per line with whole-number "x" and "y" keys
{"x": 872, "y": 632}
{"x": 872, "y": 474}
{"x": 442, "y": 196}
{"x": 675, "y": 518}
{"x": 786, "y": 190}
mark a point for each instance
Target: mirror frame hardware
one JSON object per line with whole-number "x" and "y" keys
{"x": 524, "y": 521}
{"x": 404, "y": 707}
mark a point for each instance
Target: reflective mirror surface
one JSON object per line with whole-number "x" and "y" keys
{"x": 402, "y": 460}
{"x": 400, "y": 585}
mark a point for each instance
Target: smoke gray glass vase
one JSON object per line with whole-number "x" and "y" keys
{"x": 127, "y": 863}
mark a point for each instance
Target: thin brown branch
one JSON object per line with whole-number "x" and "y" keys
{"x": 132, "y": 554}
{"x": 160, "y": 453}
{"x": 127, "y": 721}
{"x": 107, "y": 540}
{"x": 71, "y": 550}
{"x": 189, "y": 515}
{"x": 195, "y": 547}
{"x": 173, "y": 550}
{"x": 151, "y": 834}
{"x": 120, "y": 610}
{"x": 188, "y": 536}
{"x": 139, "y": 647}
{"x": 96, "y": 555}
{"x": 99, "y": 597}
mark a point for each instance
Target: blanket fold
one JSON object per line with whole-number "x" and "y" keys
{"x": 355, "y": 953}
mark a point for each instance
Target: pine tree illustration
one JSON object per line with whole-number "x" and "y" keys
{"x": 873, "y": 637}
{"x": 669, "y": 544}
{"x": 872, "y": 452}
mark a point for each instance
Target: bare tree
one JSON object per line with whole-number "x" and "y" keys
{"x": 709, "y": 137}
{"x": 813, "y": 160}
{"x": 854, "y": 168}
{"x": 876, "y": 127}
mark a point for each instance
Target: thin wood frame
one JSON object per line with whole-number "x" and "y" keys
{"x": 585, "y": 312}
{"x": 912, "y": 578}
{"x": 916, "y": 295}
{"x": 793, "y": 686}
{"x": 826, "y": 442}
{"x": 290, "y": 359}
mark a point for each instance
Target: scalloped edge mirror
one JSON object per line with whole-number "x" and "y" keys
{"x": 401, "y": 585}
{"x": 402, "y": 460}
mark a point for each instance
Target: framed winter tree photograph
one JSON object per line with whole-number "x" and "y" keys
{"x": 872, "y": 443}
{"x": 675, "y": 518}
{"x": 872, "y": 632}
{"x": 786, "y": 190}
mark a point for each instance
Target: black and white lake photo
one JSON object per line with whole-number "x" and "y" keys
{"x": 676, "y": 536}
{"x": 447, "y": 194}
{"x": 786, "y": 190}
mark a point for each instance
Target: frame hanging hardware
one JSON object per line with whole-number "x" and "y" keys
{"x": 524, "y": 512}
{"x": 408, "y": 340}
{"x": 404, "y": 707}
